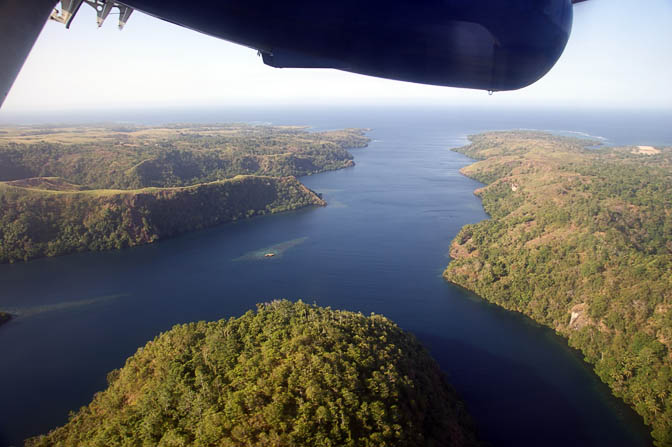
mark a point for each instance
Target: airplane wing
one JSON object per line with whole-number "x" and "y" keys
{"x": 491, "y": 45}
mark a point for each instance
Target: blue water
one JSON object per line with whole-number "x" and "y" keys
{"x": 380, "y": 246}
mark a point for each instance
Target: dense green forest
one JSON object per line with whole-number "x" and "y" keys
{"x": 580, "y": 239}
{"x": 140, "y": 157}
{"x": 36, "y": 223}
{"x": 96, "y": 188}
{"x": 289, "y": 374}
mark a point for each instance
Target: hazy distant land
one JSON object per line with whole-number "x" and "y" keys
{"x": 68, "y": 189}
{"x": 580, "y": 239}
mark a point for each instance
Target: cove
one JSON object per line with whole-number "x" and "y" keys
{"x": 379, "y": 246}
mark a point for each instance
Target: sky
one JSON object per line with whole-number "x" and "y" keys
{"x": 619, "y": 56}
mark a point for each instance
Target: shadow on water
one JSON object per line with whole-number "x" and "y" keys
{"x": 493, "y": 373}
{"x": 550, "y": 380}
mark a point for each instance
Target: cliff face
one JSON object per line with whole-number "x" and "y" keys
{"x": 175, "y": 210}
{"x": 37, "y": 223}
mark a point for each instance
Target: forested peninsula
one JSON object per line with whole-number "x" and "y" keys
{"x": 289, "y": 374}
{"x": 580, "y": 240}
{"x": 69, "y": 189}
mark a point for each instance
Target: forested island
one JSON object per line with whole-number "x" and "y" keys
{"x": 68, "y": 189}
{"x": 580, "y": 240}
{"x": 289, "y": 374}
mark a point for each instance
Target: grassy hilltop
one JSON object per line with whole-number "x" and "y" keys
{"x": 288, "y": 374}
{"x": 66, "y": 189}
{"x": 180, "y": 155}
{"x": 580, "y": 240}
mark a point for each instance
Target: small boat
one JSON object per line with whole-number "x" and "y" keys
{"x": 269, "y": 255}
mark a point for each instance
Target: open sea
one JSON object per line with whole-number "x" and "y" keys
{"x": 379, "y": 246}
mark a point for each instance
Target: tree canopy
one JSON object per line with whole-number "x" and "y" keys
{"x": 289, "y": 374}
{"x": 580, "y": 239}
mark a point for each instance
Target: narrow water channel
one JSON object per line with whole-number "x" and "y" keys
{"x": 380, "y": 246}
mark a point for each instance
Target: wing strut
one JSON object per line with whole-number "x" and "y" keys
{"x": 21, "y": 22}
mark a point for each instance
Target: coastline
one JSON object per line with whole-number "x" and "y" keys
{"x": 489, "y": 258}
{"x": 95, "y": 207}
